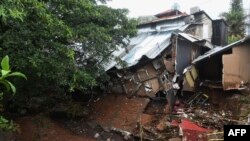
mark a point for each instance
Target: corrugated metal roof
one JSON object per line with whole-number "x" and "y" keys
{"x": 167, "y": 19}
{"x": 184, "y": 27}
{"x": 217, "y": 50}
{"x": 189, "y": 37}
{"x": 197, "y": 40}
{"x": 170, "y": 12}
{"x": 146, "y": 44}
{"x": 171, "y": 17}
{"x": 149, "y": 44}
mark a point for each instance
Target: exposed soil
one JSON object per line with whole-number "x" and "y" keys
{"x": 118, "y": 111}
{"x": 82, "y": 127}
{"x": 108, "y": 112}
{"x": 41, "y": 128}
{"x": 112, "y": 115}
{"x": 156, "y": 107}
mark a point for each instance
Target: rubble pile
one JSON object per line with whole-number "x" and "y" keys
{"x": 211, "y": 119}
{"x": 189, "y": 122}
{"x": 140, "y": 118}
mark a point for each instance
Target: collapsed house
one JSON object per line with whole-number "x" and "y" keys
{"x": 170, "y": 48}
{"x": 134, "y": 118}
{"x": 224, "y": 68}
{"x": 160, "y": 52}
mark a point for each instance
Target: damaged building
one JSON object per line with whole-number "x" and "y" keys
{"x": 225, "y": 67}
{"x": 175, "y": 48}
{"x": 163, "y": 48}
{"x": 140, "y": 119}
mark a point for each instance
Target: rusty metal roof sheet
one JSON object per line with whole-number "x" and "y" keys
{"x": 167, "y": 13}
{"x": 166, "y": 19}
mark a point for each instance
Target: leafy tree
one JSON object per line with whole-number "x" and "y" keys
{"x": 61, "y": 44}
{"x": 98, "y": 29}
{"x": 235, "y": 19}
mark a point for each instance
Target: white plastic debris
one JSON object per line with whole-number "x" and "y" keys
{"x": 176, "y": 86}
{"x": 97, "y": 135}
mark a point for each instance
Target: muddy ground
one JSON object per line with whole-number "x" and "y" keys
{"x": 42, "y": 128}
{"x": 117, "y": 118}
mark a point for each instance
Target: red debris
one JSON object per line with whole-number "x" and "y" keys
{"x": 193, "y": 132}
{"x": 188, "y": 125}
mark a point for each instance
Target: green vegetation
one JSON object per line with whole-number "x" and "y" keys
{"x": 60, "y": 45}
{"x": 6, "y": 73}
{"x": 236, "y": 20}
